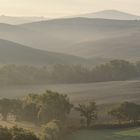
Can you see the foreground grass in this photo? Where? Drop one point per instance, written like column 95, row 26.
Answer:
column 127, row 134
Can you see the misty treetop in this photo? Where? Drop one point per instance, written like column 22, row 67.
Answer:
column 26, row 75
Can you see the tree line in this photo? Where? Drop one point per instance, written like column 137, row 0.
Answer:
column 111, row 71
column 125, row 112
column 43, row 108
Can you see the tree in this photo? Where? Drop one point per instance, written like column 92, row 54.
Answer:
column 117, row 113
column 126, row 111
column 37, row 108
column 53, row 105
column 5, row 134
column 31, row 98
column 29, row 112
column 10, row 106
column 16, row 105
column 21, row 134
column 5, row 107
column 89, row 112
column 16, row 134
column 131, row 111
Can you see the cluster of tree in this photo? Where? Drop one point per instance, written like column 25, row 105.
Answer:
column 52, row 108
column 16, row 134
column 37, row 108
column 49, row 106
column 127, row 111
column 114, row 70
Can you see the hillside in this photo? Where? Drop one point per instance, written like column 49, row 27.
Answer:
column 76, row 29
column 58, row 35
column 112, row 14
column 14, row 53
column 127, row 47
column 94, row 38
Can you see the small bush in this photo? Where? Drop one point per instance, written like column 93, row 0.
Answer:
column 16, row 134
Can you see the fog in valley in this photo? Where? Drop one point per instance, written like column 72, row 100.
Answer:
column 69, row 70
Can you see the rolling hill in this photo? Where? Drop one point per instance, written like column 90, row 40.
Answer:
column 127, row 47
column 14, row 53
column 111, row 14
column 58, row 35
column 92, row 38
column 19, row 20
column 75, row 29
column 84, row 37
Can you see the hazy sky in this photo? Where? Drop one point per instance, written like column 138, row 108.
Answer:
column 56, row 8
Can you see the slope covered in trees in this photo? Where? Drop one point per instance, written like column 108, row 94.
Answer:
column 115, row 70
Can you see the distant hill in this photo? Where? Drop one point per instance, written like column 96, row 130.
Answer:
column 19, row 20
column 111, row 14
column 13, row 53
column 59, row 34
column 94, row 38
column 127, row 47
column 82, row 37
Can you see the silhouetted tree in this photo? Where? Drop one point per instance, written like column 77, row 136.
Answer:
column 53, row 105
column 89, row 112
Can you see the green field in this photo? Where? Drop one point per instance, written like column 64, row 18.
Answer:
column 127, row 134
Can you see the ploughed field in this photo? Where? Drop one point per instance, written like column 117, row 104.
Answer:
column 101, row 92
column 126, row 134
